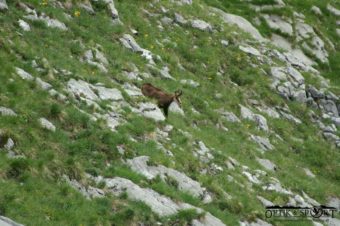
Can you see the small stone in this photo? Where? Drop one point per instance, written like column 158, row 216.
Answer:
column 174, row 107
column 108, row 93
column 3, row 5
column 166, row 20
column 250, row 50
column 23, row 74
column 24, row 26
column 4, row 221
column 43, row 85
column 333, row 10
column 263, row 142
column 276, row 22
column 267, row 164
column 316, row 10
column 9, row 145
column 201, row 25
column 190, row 82
column 265, row 202
column 7, row 112
column 44, row 123
column 180, row 19
column 309, row 173
column 224, row 43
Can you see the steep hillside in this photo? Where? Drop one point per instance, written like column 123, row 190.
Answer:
column 258, row 124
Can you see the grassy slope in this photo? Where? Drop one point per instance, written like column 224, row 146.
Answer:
column 32, row 191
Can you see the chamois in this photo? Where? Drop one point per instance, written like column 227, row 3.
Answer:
column 163, row 99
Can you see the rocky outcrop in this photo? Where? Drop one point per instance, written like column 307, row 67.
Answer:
column 7, row 112
column 4, row 221
column 260, row 120
column 96, row 58
column 150, row 110
column 201, row 25
column 159, row 204
column 241, row 22
column 129, row 42
column 278, row 23
column 3, row 5
column 185, row 183
column 44, row 123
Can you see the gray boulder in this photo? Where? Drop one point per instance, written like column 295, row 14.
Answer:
column 258, row 222
column 7, row 112
column 180, row 19
column 159, row 204
column 330, row 107
column 9, row 144
column 241, row 22
column 44, row 123
column 314, row 93
column 89, row 192
column 129, row 42
column 4, row 221
column 185, row 183
column 108, row 93
column 333, row 10
column 23, row 74
column 132, row 90
column 260, row 120
column 80, row 89
column 316, row 10
column 267, row 164
column 277, row 23
column 190, row 82
column 3, row 5
column 264, row 201
column 43, row 85
column 309, row 173
column 24, row 25
column 263, row 142
column 174, row 107
column 229, row 116
column 250, row 50
column 201, row 25
column 150, row 110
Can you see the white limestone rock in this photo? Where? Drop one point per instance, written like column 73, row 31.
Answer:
column 201, row 25
column 44, row 123
column 24, row 25
column 267, row 164
column 250, row 50
column 4, row 221
column 81, row 88
column 278, row 23
column 241, row 22
column 108, row 93
column 150, row 110
column 7, row 111
column 23, row 74
column 261, row 121
column 185, row 183
column 333, row 10
column 3, row 5
column 159, row 204
column 174, row 107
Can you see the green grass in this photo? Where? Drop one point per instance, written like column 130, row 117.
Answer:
column 31, row 189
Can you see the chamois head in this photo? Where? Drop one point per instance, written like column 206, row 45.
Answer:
column 163, row 99
column 178, row 93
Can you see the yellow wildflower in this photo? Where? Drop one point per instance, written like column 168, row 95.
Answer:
column 44, row 2
column 77, row 13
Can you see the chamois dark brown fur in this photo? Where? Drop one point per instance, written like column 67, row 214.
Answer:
column 163, row 99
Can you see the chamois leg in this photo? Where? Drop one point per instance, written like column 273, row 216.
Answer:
column 165, row 109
